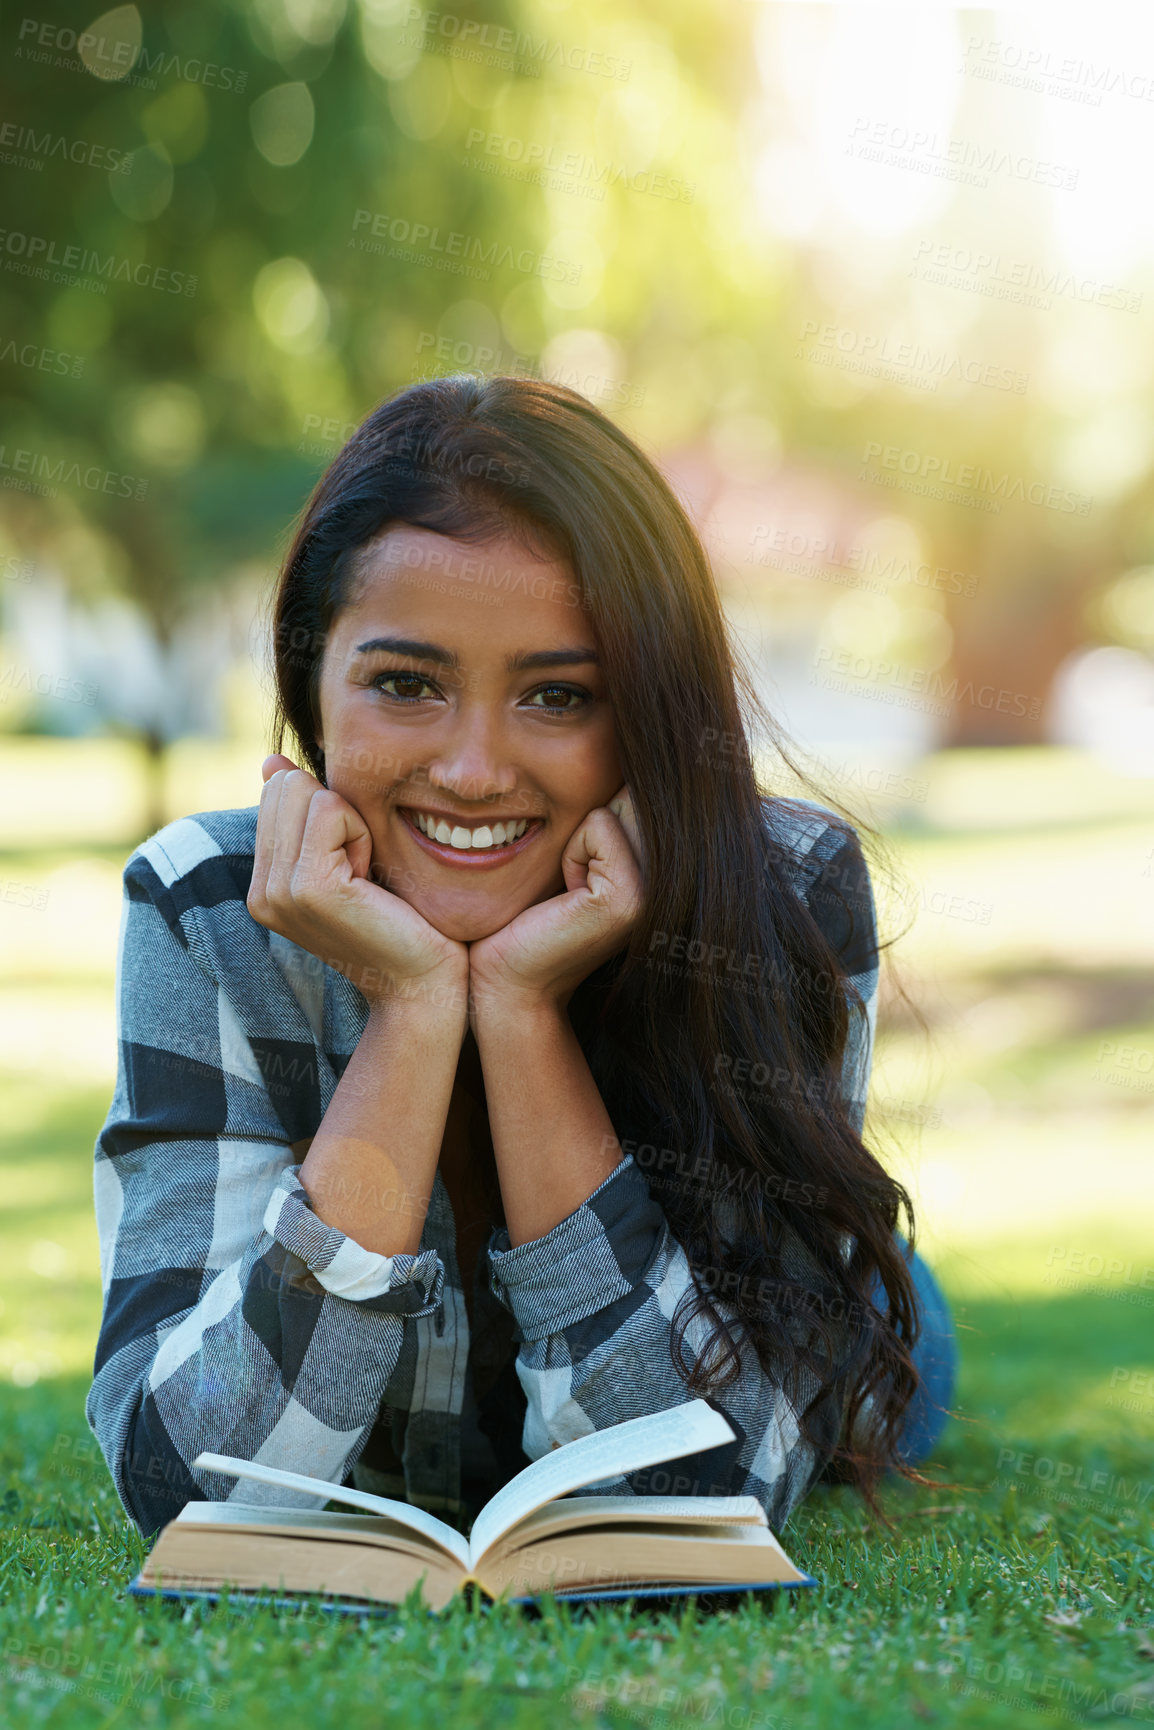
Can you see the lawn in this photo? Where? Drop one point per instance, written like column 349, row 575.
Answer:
column 1016, row 1591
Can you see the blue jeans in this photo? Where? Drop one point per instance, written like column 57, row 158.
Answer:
column 936, row 1360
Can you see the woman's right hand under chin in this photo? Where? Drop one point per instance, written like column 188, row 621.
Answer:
column 310, row 882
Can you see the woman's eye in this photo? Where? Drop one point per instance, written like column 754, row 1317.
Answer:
column 583, row 698
column 409, row 679
column 558, row 699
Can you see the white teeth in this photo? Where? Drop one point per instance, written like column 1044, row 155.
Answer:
column 465, row 840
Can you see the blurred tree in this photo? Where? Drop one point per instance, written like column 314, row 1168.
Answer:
column 185, row 279
column 231, row 229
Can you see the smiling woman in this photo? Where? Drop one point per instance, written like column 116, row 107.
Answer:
column 526, row 1038
column 448, row 726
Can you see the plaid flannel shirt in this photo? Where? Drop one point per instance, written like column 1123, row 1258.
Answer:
column 236, row 1321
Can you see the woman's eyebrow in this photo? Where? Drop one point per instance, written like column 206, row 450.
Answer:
column 443, row 657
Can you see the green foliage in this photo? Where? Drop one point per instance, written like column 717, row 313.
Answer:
column 216, row 304
column 325, row 201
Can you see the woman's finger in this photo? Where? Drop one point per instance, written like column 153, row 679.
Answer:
column 606, row 843
column 297, row 790
column 621, row 806
column 265, row 844
column 332, row 825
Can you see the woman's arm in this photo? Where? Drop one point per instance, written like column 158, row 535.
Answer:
column 592, row 1273
column 594, row 1300
column 360, row 1176
column 553, row 1141
column 238, row 1317
column 595, row 1294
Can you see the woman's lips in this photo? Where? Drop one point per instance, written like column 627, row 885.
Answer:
column 470, row 860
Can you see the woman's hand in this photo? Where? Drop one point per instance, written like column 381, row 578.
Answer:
column 543, row 954
column 310, row 882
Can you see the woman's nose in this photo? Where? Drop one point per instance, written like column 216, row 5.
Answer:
column 473, row 762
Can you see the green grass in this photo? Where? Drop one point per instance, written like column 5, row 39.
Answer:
column 1016, row 1591
column 984, row 1597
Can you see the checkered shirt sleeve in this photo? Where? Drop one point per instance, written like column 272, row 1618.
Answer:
column 234, row 1320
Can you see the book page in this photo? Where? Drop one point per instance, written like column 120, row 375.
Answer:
column 582, row 1513
column 674, row 1556
column 609, row 1453
column 232, row 1513
column 270, row 1559
column 415, row 1519
column 301, row 1522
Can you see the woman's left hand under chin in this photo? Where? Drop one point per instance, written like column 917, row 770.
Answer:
column 542, row 955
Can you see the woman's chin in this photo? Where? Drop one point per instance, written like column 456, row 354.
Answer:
column 465, row 924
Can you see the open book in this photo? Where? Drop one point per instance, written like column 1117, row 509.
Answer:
column 528, row 1538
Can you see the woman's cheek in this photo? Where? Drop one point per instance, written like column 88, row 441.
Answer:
column 388, row 872
column 553, row 876
column 397, row 879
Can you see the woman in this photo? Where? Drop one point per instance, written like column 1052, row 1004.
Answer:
column 500, row 1076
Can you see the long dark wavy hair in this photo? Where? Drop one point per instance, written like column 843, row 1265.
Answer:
column 786, row 1218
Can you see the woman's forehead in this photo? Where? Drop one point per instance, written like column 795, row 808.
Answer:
column 495, row 597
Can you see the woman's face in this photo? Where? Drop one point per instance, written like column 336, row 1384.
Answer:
column 462, row 687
